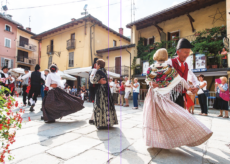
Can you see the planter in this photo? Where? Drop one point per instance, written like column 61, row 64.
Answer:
column 197, row 34
column 151, row 48
column 208, row 66
column 146, row 50
column 207, row 30
column 214, row 66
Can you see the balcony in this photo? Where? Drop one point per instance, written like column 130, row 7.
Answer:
column 70, row 44
column 50, row 49
column 28, row 61
column 122, row 70
column 26, row 46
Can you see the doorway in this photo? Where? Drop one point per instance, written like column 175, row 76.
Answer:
column 118, row 65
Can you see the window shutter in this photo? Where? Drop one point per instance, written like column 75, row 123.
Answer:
column 50, row 61
column 2, row 62
column 7, row 42
column 71, row 59
column 12, row 63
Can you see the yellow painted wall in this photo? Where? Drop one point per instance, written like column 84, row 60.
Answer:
column 82, row 53
column 182, row 23
column 125, row 58
column 30, row 53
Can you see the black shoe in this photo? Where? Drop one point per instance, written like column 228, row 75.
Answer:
column 29, row 104
column 50, row 121
column 42, row 118
column 32, row 108
column 91, row 122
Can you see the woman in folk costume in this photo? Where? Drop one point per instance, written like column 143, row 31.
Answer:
column 166, row 124
column 104, row 109
column 58, row 103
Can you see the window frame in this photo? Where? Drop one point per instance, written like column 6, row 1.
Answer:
column 9, row 26
column 72, row 64
column 149, row 40
column 114, row 41
column 5, row 42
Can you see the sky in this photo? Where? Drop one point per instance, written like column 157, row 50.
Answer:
column 116, row 15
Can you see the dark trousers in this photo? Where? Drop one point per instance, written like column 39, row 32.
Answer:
column 36, row 91
column 135, row 99
column 24, row 87
column 203, row 103
column 180, row 100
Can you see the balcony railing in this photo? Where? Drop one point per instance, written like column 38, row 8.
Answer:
column 30, row 61
column 50, row 49
column 26, row 46
column 70, row 44
column 122, row 70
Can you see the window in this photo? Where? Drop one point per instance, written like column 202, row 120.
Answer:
column 145, row 42
column 8, row 28
column 22, row 55
column 7, row 62
column 71, row 59
column 151, row 40
column 114, row 43
column 50, row 61
column 23, row 41
column 7, row 43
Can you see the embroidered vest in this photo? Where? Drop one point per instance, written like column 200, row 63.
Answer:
column 177, row 67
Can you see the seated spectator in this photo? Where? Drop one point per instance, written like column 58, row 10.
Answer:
column 83, row 93
column 74, row 91
column 68, row 90
column 224, row 58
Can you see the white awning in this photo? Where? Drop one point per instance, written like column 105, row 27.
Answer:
column 216, row 73
column 84, row 72
column 65, row 76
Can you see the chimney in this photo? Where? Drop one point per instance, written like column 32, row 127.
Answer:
column 9, row 16
column 28, row 29
column 121, row 31
column 73, row 19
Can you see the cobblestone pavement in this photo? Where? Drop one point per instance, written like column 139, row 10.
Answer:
column 73, row 141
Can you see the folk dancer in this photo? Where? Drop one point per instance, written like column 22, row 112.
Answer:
column 35, row 82
column 9, row 80
column 165, row 124
column 58, row 103
column 25, row 83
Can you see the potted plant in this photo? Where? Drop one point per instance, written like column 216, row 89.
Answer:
column 151, row 47
column 207, row 30
column 197, row 34
column 176, row 38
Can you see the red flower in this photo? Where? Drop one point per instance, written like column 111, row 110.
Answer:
column 16, row 104
column 29, row 119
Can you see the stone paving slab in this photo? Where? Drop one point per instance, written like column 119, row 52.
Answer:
column 86, row 130
column 27, row 152
column 139, row 147
column 27, row 140
column 179, row 156
column 59, row 140
column 129, row 157
column 73, row 148
column 115, row 145
column 90, row 157
column 216, row 156
column 41, row 159
column 63, row 129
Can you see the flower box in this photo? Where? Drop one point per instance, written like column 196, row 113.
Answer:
column 214, row 66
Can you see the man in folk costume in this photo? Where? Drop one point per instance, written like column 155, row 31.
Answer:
column 35, row 82
column 25, row 83
column 8, row 79
column 183, row 50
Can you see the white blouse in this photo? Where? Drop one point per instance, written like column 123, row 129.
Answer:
column 54, row 78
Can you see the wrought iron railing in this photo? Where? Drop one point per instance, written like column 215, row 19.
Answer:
column 122, row 70
column 70, row 44
column 30, row 61
column 26, row 45
column 50, row 49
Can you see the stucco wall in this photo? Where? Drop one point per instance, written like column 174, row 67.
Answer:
column 30, row 53
column 182, row 23
column 6, row 52
column 82, row 53
column 228, row 17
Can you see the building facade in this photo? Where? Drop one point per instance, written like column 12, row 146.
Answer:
column 27, row 49
column 184, row 20
column 74, row 44
column 8, row 36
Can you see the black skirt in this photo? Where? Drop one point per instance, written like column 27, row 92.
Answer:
column 59, row 103
column 220, row 104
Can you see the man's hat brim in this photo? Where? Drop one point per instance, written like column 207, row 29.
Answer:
column 184, row 43
column 4, row 67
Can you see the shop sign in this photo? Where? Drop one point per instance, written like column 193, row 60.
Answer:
column 145, row 68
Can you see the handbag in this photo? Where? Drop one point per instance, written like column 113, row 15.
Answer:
column 206, row 92
column 225, row 95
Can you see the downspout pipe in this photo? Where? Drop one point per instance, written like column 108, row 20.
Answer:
column 130, row 62
column 91, row 43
